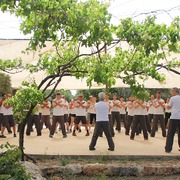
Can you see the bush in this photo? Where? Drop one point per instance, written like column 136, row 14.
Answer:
column 10, row 165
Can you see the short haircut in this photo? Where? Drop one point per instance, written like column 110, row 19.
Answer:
column 176, row 90
column 158, row 92
column 58, row 94
column 101, row 96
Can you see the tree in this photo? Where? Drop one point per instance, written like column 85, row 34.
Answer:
column 71, row 25
column 5, row 83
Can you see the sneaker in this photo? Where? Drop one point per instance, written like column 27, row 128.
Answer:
column 64, row 136
column 15, row 135
column 2, row 136
column 51, row 136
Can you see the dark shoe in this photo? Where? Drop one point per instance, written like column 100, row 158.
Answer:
column 167, row 151
column 119, row 131
column 79, row 130
column 145, row 138
column 27, row 134
column 152, row 135
column 109, row 149
column 87, row 134
column 127, row 134
column 131, row 138
column 10, row 132
column 51, row 136
column 74, row 134
column 2, row 136
column 92, row 149
column 15, row 135
column 100, row 135
column 38, row 134
column 64, row 136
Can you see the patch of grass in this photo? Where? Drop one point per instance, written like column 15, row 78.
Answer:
column 64, row 160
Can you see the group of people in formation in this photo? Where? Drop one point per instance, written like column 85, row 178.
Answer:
column 136, row 115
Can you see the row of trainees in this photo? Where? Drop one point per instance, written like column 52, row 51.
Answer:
column 135, row 109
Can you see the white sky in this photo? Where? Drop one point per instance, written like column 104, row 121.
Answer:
column 9, row 25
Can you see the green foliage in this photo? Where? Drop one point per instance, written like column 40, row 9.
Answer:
column 24, row 98
column 9, row 65
column 5, row 83
column 10, row 165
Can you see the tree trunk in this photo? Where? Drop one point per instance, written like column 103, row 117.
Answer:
column 21, row 132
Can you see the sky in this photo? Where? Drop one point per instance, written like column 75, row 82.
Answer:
column 9, row 24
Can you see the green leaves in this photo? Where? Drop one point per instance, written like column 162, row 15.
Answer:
column 24, row 98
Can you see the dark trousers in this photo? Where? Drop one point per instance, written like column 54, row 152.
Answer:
column 110, row 125
column 104, row 125
column 36, row 120
column 129, row 121
column 92, row 118
column 167, row 117
column 150, row 116
column 155, row 123
column 148, row 125
column 174, row 124
column 116, row 117
column 139, row 120
column 123, row 118
column 60, row 120
column 45, row 119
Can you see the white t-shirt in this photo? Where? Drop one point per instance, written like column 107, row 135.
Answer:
column 167, row 110
column 58, row 111
column 175, row 107
column 80, row 111
column 122, row 110
column 8, row 111
column 65, row 108
column 114, row 107
column 130, row 108
column 91, row 109
column 102, row 109
column 139, row 110
column 150, row 107
column 46, row 111
column 159, row 110
column 146, row 108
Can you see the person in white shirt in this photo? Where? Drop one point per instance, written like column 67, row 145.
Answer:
column 151, row 109
column 58, row 115
column 102, row 122
column 174, row 123
column 45, row 114
column 148, row 125
column 130, row 114
column 159, row 106
column 66, row 113
column 139, row 119
column 122, row 110
column 91, row 111
column 115, row 113
column 34, row 119
column 81, row 106
column 8, row 119
column 167, row 112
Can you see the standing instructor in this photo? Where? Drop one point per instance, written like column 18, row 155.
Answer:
column 102, row 122
column 174, row 123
